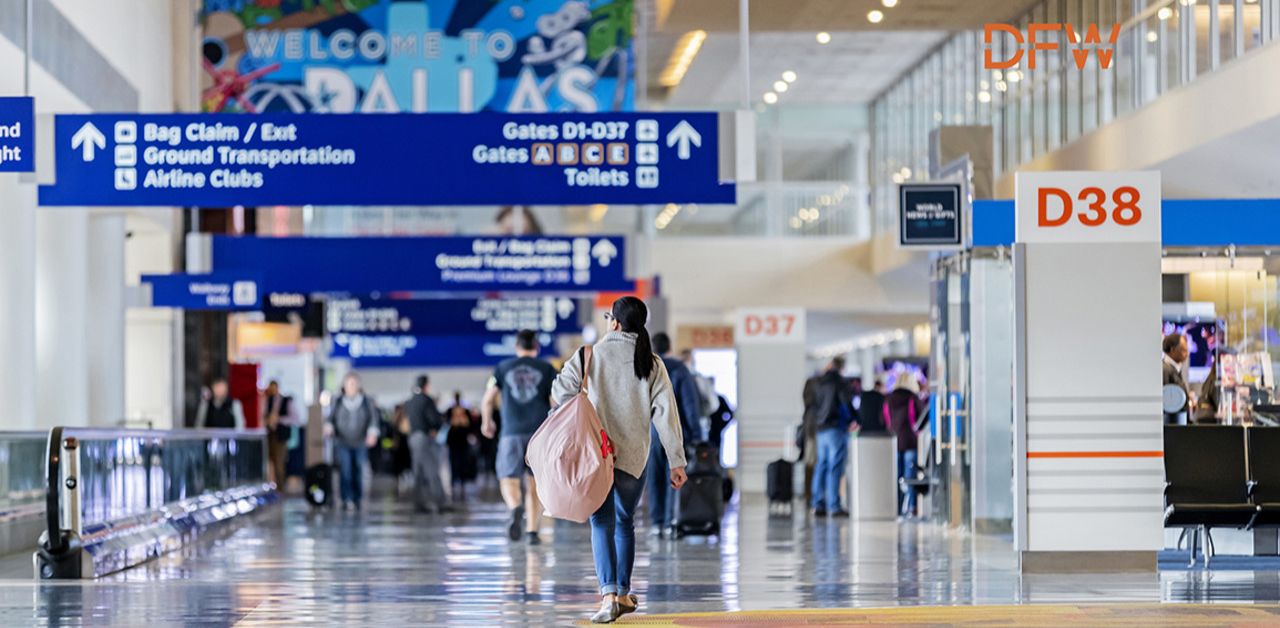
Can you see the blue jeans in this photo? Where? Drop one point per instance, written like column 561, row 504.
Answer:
column 661, row 496
column 833, row 449
column 613, row 533
column 351, row 471
column 906, row 469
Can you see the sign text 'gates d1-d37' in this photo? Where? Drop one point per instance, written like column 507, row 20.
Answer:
column 386, row 159
column 459, row 265
column 17, row 134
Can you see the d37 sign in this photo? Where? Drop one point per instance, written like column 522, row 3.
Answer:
column 759, row 325
column 1088, row 207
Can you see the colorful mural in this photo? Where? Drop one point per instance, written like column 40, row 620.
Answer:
column 342, row 56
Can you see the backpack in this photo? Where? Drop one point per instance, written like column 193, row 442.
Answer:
column 571, row 456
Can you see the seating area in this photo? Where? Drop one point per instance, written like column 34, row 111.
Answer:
column 1220, row 476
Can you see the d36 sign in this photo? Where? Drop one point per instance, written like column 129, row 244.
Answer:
column 769, row 325
column 1088, row 207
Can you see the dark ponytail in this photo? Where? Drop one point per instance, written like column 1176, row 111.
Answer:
column 632, row 314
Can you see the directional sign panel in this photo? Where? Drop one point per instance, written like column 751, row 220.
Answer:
column 401, row 350
column 431, row 317
column 446, row 264
column 215, row 291
column 17, row 134
column 386, row 159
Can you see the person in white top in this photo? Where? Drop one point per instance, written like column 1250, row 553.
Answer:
column 630, row 390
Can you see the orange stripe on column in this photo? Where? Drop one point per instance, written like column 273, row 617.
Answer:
column 760, row 444
column 1095, row 454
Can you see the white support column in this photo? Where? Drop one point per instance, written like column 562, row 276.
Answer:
column 106, row 325
column 1088, row 441
column 62, row 263
column 18, row 314
column 771, row 376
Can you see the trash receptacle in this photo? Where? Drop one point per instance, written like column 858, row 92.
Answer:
column 873, row 486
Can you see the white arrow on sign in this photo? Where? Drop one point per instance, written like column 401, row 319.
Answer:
column 685, row 134
column 86, row 139
column 604, row 251
column 565, row 307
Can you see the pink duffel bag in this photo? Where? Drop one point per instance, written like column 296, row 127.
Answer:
column 571, row 456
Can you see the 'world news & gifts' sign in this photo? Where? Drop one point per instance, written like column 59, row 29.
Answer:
column 417, row 55
column 402, row 159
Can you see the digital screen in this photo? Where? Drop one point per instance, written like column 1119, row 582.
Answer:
column 1202, row 341
column 930, row 215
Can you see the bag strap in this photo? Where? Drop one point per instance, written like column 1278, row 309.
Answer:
column 585, row 357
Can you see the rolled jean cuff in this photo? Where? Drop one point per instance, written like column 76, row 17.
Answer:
column 623, row 591
column 609, row 589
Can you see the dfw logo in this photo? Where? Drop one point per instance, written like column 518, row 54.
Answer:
column 1035, row 42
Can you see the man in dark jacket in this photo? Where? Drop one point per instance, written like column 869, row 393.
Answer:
column 833, row 414
column 871, row 409
column 688, row 404
column 425, row 452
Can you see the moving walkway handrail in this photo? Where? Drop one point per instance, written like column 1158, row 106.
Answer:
column 53, row 507
column 190, row 469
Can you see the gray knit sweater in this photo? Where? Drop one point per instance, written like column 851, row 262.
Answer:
column 625, row 403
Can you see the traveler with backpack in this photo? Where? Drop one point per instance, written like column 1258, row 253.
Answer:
column 523, row 384
column 353, row 420
column 902, row 411
column 833, row 415
column 630, row 390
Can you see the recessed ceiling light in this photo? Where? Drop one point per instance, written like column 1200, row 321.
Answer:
column 889, row 4
column 780, row 86
column 1152, row 36
column 770, row 97
column 984, row 97
column 789, row 76
column 874, row 16
column 686, row 49
column 1164, row 13
column 824, row 37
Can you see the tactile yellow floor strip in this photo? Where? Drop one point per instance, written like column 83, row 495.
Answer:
column 1099, row 615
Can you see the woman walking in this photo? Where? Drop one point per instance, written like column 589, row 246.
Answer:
column 630, row 390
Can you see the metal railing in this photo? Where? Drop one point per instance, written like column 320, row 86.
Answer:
column 114, row 498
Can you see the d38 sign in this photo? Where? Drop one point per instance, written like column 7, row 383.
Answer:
column 758, row 325
column 1088, row 207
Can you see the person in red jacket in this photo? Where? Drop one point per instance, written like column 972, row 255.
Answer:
column 902, row 411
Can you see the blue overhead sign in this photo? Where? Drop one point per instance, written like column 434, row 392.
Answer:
column 17, row 134
column 433, row 317
column 386, row 159
column 428, row 264
column 404, row 350
column 215, row 291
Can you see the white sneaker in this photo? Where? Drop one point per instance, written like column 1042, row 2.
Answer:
column 607, row 614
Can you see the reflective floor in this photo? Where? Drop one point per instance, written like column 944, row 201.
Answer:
column 389, row 566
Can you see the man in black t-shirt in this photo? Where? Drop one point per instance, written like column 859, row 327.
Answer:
column 524, row 385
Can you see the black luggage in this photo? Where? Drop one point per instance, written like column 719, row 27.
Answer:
column 319, row 485
column 780, row 486
column 701, row 501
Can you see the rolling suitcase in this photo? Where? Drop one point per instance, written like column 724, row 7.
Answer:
column 780, row 486
column 700, row 504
